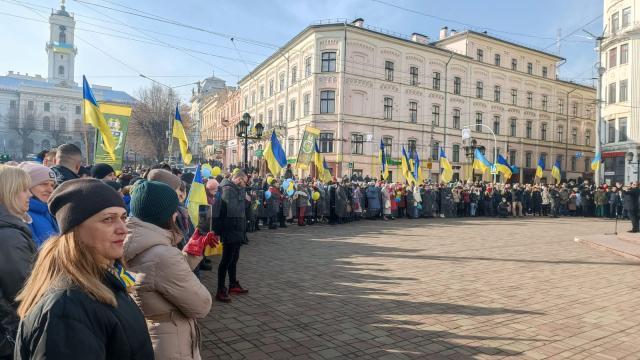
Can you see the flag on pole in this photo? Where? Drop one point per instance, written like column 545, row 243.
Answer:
column 445, row 166
column 384, row 169
column 540, row 167
column 94, row 117
column 480, row 162
column 417, row 171
column 321, row 166
column 274, row 155
column 197, row 196
column 406, row 169
column 595, row 163
column 181, row 135
column 503, row 167
column 555, row 171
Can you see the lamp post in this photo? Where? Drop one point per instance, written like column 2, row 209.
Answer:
column 242, row 131
column 637, row 162
column 470, row 151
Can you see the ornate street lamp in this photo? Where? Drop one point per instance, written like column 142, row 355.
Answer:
column 242, row 131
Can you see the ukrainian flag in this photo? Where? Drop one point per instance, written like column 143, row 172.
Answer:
column 480, row 162
column 555, row 171
column 197, row 196
column 406, row 170
column 321, row 166
column 384, row 170
column 274, row 155
column 445, row 166
column 595, row 163
column 179, row 133
column 503, row 167
column 94, row 117
column 540, row 168
column 417, row 172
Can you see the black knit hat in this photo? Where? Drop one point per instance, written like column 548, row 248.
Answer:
column 153, row 202
column 99, row 171
column 76, row 200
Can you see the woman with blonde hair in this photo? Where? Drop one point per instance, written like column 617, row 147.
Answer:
column 75, row 303
column 17, row 250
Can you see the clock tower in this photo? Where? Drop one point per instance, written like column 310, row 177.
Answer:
column 60, row 47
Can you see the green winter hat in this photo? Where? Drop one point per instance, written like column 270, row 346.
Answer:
column 153, row 202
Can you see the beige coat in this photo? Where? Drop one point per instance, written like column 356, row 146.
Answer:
column 170, row 296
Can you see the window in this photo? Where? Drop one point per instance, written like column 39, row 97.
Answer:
column 543, row 131
column 527, row 159
column 46, row 123
column 587, row 137
column 496, row 93
column 60, row 70
column 270, row 118
column 613, row 57
column 292, row 110
column 47, row 106
column 326, row 142
column 611, row 131
column 622, row 129
column 626, row 17
column 529, row 129
column 388, row 70
column 480, row 55
column 457, row 85
column 560, row 134
column 388, row 108
column 387, row 141
column 62, row 124
column 246, row 102
column 529, row 99
column 357, row 144
column 456, row 153
column 413, row 71
column 615, row 23
column 436, row 80
column 306, row 104
column 294, row 75
column 329, row 61
column 280, row 114
column 513, row 126
column 281, row 87
column 624, row 54
column 292, row 145
column 327, row 102
column 413, row 111
column 574, row 108
column 496, row 60
column 307, row 67
column 612, row 93
column 261, row 92
column 496, row 125
column 12, row 104
column 253, row 98
column 545, row 102
column 529, row 68
column 271, row 87
column 77, row 125
column 560, row 160
column 479, row 122
column 411, row 147
column 544, row 72
column 574, row 161
column 435, row 150
column 62, row 37
column 512, row 157
column 30, row 105
column 574, row 136
column 456, row 118
column 479, row 88
column 514, row 64
column 435, row 111
column 514, row 96
column 623, row 90
column 560, row 106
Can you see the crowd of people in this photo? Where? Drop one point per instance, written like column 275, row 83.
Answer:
column 95, row 264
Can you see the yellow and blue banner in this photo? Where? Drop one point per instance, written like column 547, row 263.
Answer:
column 197, row 196
column 117, row 117
column 503, row 167
column 384, row 169
column 406, row 168
column 417, row 171
column 540, row 167
column 595, row 163
column 555, row 171
column 305, row 153
column 181, row 135
column 445, row 166
column 94, row 117
column 324, row 174
column 480, row 162
column 274, row 155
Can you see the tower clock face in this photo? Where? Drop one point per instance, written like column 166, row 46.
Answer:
column 63, row 107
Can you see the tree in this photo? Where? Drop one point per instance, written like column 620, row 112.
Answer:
column 23, row 122
column 153, row 115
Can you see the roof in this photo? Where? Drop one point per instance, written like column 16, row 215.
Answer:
column 11, row 83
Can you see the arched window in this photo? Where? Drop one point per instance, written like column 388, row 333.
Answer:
column 62, row 124
column 46, row 123
column 60, row 70
column 77, row 125
column 62, row 38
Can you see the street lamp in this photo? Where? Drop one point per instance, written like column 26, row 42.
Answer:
column 470, row 151
column 637, row 162
column 242, row 131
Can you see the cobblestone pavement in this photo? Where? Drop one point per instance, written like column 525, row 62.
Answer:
column 429, row 289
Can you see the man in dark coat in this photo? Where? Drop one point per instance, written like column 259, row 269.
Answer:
column 68, row 161
column 631, row 195
column 231, row 226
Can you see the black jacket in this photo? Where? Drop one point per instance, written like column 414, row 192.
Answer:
column 63, row 174
column 232, row 223
column 68, row 324
column 631, row 199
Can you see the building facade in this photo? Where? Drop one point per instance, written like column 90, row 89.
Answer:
column 361, row 87
column 620, row 94
column 38, row 113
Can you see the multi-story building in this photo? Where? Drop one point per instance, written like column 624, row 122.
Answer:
column 220, row 113
column 362, row 86
column 205, row 89
column 620, row 95
column 37, row 113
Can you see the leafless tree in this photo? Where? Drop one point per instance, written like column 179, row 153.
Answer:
column 23, row 122
column 154, row 114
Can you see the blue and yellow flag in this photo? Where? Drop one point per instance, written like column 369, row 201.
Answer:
column 94, row 117
column 181, row 135
column 123, row 275
column 324, row 174
column 445, row 166
column 540, row 167
column 197, row 196
column 406, row 168
column 480, row 162
column 503, row 167
column 555, row 171
column 384, row 169
column 274, row 155
column 417, row 171
column 595, row 163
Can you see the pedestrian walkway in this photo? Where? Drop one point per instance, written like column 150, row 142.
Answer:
column 430, row 289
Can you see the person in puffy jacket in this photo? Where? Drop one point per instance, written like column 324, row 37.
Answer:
column 43, row 225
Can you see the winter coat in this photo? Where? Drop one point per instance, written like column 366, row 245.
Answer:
column 169, row 294
column 373, row 198
column 546, row 197
column 341, row 202
column 17, row 252
column 69, row 324
column 63, row 174
column 387, row 201
column 601, row 197
column 43, row 224
column 232, row 222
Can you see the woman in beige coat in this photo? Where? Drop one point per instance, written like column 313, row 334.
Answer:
column 169, row 294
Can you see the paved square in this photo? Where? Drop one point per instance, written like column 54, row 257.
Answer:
column 429, row 289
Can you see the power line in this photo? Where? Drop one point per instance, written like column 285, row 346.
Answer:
column 574, row 31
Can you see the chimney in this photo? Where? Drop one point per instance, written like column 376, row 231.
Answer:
column 419, row 38
column 359, row 22
column 10, row 72
column 444, row 32
column 453, row 32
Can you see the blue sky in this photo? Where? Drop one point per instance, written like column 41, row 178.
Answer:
column 128, row 38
